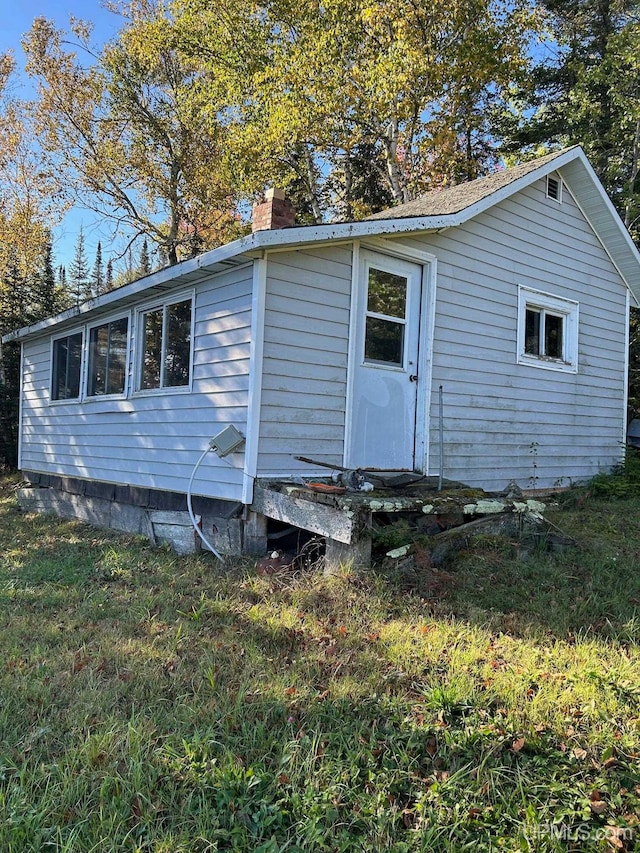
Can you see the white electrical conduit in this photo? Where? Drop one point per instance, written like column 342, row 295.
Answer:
column 190, row 508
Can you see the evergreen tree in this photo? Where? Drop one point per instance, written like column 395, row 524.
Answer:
column 80, row 284
column 14, row 312
column 62, row 277
column 588, row 95
column 130, row 272
column 108, row 278
column 144, row 263
column 46, row 296
column 97, row 276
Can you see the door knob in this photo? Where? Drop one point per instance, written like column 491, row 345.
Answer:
column 413, row 377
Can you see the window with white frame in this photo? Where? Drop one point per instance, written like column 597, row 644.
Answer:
column 107, row 366
column 547, row 330
column 165, row 344
column 66, row 364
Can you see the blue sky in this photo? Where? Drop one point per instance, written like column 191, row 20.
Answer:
column 16, row 17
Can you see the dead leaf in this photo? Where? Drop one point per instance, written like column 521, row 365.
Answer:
column 408, row 818
column 136, row 808
column 615, row 836
column 598, row 806
column 517, row 745
column 79, row 663
column 580, row 753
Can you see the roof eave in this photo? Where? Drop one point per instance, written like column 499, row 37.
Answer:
column 243, row 249
column 227, row 256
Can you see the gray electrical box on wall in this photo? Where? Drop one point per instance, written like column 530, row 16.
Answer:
column 227, row 441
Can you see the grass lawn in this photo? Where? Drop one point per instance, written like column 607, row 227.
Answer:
column 152, row 703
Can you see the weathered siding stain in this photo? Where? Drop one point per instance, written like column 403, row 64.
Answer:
column 305, row 358
column 152, row 440
column 508, row 421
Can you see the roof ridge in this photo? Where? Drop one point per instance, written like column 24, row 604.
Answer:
column 453, row 199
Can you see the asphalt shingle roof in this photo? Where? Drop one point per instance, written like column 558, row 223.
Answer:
column 441, row 202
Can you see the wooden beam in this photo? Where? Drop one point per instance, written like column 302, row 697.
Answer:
column 340, row 525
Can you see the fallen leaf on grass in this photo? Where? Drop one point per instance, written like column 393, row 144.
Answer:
column 580, row 753
column 136, row 808
column 615, row 836
column 517, row 745
column 79, row 663
column 597, row 804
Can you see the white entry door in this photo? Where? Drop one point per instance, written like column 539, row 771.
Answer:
column 385, row 372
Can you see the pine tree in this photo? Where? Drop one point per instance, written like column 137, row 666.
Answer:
column 80, row 284
column 108, row 279
column 144, row 263
column 130, row 273
column 97, row 276
column 62, row 277
column 45, row 296
column 14, row 312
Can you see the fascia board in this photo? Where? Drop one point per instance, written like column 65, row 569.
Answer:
column 242, row 249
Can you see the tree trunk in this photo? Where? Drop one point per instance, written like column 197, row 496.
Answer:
column 396, row 181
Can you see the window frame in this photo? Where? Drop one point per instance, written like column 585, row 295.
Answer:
column 161, row 304
column 568, row 310
column 119, row 395
column 403, row 321
column 55, row 401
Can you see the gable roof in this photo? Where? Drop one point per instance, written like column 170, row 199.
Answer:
column 434, row 211
column 455, row 199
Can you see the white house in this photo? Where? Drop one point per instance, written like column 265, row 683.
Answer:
column 506, row 298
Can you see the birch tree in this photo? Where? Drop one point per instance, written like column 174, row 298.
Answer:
column 311, row 86
column 113, row 123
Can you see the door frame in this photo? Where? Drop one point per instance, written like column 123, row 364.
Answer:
column 428, row 262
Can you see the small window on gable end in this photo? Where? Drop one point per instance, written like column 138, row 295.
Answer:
column 547, row 331
column 554, row 188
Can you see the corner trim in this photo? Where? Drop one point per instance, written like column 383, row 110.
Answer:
column 256, row 360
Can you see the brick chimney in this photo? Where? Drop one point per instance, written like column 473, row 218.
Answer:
column 276, row 211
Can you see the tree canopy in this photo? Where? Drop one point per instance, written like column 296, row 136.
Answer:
column 121, row 131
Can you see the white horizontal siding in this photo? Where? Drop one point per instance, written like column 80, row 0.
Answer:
column 505, row 421
column 152, row 440
column 305, row 359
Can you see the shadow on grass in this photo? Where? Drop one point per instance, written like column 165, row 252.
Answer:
column 258, row 774
column 592, row 588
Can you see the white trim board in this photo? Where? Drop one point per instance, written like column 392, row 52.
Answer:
column 256, row 359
